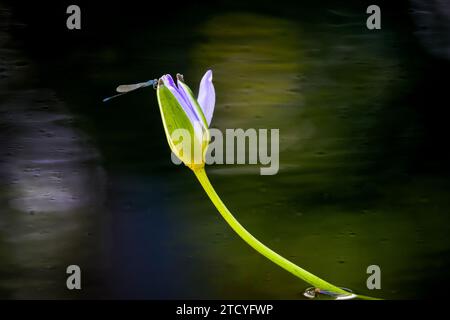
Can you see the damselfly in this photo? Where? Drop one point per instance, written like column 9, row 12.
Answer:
column 125, row 88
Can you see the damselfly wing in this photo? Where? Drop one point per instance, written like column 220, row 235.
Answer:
column 125, row 88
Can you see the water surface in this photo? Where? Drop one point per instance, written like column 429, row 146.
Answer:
column 363, row 172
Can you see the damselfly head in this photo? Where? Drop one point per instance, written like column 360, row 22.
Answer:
column 180, row 77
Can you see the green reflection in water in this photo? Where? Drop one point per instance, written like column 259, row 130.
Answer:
column 335, row 207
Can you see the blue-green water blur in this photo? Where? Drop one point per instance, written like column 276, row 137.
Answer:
column 92, row 184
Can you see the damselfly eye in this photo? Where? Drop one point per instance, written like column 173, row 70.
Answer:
column 180, row 77
column 155, row 83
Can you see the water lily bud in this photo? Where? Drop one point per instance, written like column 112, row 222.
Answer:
column 185, row 118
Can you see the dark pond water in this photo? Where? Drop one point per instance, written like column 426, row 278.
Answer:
column 364, row 175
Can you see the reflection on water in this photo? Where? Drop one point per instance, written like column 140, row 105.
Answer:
column 47, row 161
column 263, row 85
column 330, row 91
column 433, row 25
column 51, row 184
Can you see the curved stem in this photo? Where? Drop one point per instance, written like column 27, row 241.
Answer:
column 257, row 245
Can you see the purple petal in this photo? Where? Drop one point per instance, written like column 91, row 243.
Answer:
column 168, row 80
column 185, row 104
column 191, row 100
column 207, row 96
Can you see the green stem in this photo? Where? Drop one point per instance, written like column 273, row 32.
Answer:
column 257, row 245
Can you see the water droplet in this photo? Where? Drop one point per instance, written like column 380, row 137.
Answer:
column 313, row 292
